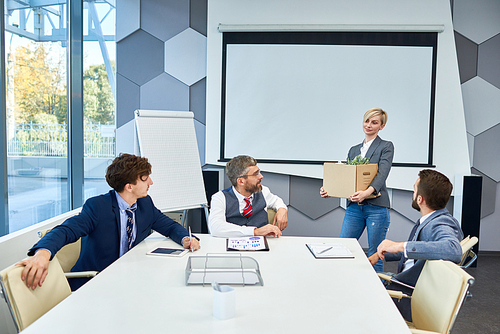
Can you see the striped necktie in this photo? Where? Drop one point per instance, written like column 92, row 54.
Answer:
column 130, row 227
column 247, row 211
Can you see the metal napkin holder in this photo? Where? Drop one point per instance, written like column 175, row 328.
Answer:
column 222, row 268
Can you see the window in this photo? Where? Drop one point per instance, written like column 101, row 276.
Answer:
column 36, row 77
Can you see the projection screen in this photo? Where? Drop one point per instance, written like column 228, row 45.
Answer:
column 292, row 97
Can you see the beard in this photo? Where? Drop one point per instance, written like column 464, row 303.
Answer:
column 255, row 188
column 414, row 205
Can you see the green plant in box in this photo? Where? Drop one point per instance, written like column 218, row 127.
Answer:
column 359, row 160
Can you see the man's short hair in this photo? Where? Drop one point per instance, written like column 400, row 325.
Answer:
column 435, row 188
column 376, row 112
column 238, row 166
column 126, row 168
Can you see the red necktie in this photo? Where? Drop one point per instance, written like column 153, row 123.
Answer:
column 247, row 211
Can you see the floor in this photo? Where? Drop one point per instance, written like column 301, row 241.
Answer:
column 479, row 313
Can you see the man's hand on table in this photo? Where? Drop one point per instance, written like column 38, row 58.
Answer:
column 267, row 230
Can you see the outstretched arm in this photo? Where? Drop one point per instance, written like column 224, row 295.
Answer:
column 36, row 268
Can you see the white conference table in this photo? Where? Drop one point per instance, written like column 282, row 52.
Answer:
column 140, row 293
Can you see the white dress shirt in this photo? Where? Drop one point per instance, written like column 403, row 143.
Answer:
column 219, row 227
column 365, row 147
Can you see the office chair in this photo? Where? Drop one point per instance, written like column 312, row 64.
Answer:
column 439, row 293
column 67, row 256
column 467, row 253
column 270, row 215
column 27, row 305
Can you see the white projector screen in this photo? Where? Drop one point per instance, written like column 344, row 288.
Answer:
column 304, row 102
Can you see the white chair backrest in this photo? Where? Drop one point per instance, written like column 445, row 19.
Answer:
column 438, row 295
column 28, row 305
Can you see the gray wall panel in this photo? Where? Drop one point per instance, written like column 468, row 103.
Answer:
column 278, row 184
column 198, row 16
column 486, row 157
column 488, row 194
column 200, row 138
column 481, row 101
column 127, row 100
column 164, row 18
column 488, row 66
column 304, row 196
column 198, row 100
column 327, row 226
column 128, row 18
column 165, row 93
column 140, row 57
column 401, row 202
column 478, row 20
column 467, row 57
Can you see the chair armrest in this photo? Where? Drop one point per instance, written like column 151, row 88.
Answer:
column 397, row 294
column 384, row 277
column 393, row 280
column 81, row 274
column 473, row 257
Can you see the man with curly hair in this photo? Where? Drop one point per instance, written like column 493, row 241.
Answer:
column 109, row 224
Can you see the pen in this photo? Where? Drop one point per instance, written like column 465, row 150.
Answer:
column 190, row 240
column 325, row 250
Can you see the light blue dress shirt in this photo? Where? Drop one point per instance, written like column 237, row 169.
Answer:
column 122, row 205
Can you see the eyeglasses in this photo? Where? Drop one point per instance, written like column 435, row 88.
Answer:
column 254, row 174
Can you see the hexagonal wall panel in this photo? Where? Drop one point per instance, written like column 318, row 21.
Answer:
column 165, row 93
column 279, row 185
column 198, row 100
column 140, row 57
column 470, row 145
column 186, row 56
column 486, row 157
column 401, row 203
column 127, row 100
column 488, row 64
column 328, row 225
column 304, row 196
column 488, row 194
column 198, row 16
column 477, row 20
column 127, row 18
column 200, row 130
column 164, row 18
column 467, row 57
column 481, row 101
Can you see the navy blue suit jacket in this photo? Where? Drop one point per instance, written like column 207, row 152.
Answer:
column 98, row 225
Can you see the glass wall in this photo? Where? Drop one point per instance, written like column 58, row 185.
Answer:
column 98, row 91
column 37, row 106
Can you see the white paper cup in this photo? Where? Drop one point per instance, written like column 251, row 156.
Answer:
column 224, row 303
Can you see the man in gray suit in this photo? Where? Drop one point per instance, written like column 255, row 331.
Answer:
column 435, row 236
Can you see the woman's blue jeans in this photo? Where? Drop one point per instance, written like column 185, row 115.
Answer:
column 375, row 218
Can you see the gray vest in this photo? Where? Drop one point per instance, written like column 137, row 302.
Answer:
column 233, row 215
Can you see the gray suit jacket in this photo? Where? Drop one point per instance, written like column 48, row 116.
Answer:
column 438, row 238
column 380, row 152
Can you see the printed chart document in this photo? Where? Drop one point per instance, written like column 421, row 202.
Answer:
column 247, row 244
column 330, row 251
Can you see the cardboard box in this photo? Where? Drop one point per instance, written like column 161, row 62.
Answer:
column 341, row 180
